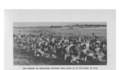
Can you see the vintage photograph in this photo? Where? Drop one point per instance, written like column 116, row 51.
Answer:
column 60, row 43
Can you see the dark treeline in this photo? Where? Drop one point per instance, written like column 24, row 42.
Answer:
column 81, row 26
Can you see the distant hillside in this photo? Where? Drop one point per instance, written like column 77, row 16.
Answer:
column 70, row 26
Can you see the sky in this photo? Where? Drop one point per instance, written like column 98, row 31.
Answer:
column 33, row 24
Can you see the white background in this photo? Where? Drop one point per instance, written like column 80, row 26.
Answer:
column 58, row 4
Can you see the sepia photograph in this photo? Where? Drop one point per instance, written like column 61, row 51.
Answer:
column 60, row 43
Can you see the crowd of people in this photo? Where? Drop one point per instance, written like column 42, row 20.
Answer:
column 72, row 49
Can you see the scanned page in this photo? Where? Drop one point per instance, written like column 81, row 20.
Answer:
column 60, row 39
